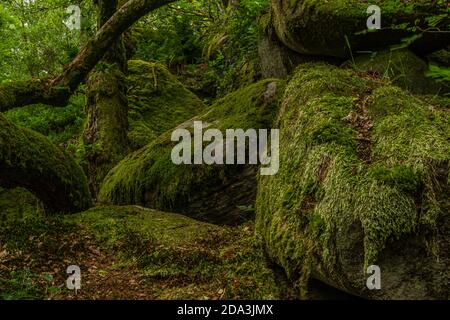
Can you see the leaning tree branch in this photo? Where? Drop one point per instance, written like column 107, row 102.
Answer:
column 57, row 91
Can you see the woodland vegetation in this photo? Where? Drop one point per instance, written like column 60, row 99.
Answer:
column 86, row 177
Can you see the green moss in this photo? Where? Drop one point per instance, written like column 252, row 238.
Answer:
column 157, row 102
column 21, row 215
column 30, row 160
column 402, row 67
column 60, row 125
column 327, row 184
column 20, row 285
column 338, row 28
column 149, row 177
column 172, row 256
column 221, row 262
column 404, row 178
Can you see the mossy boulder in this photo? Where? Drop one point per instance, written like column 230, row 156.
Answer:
column 215, row 193
column 401, row 67
column 157, row 102
column 30, row 160
column 363, row 180
column 331, row 28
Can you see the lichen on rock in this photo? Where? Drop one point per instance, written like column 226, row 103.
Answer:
column 363, row 180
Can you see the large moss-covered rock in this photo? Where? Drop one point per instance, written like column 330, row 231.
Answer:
column 317, row 27
column 157, row 102
column 363, row 180
column 213, row 193
column 402, row 67
column 31, row 161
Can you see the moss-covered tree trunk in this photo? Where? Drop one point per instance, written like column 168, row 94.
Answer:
column 29, row 160
column 105, row 135
column 56, row 91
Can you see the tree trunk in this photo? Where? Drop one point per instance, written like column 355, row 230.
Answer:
column 105, row 135
column 58, row 90
column 29, row 160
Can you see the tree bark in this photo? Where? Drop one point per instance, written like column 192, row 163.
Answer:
column 57, row 91
column 107, row 107
column 29, row 160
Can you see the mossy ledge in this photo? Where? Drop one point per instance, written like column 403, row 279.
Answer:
column 363, row 180
column 211, row 193
column 30, row 160
column 338, row 27
column 401, row 67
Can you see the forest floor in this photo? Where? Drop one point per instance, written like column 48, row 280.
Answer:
column 133, row 253
column 126, row 253
column 41, row 274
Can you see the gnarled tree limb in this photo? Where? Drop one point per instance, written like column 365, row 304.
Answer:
column 57, row 91
column 30, row 160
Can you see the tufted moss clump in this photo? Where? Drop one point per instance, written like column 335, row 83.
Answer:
column 157, row 102
column 213, row 193
column 363, row 167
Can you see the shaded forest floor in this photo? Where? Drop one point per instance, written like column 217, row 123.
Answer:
column 133, row 253
column 127, row 253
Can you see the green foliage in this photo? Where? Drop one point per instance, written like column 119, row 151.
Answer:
column 222, row 36
column 60, row 125
column 440, row 73
column 34, row 42
column 19, row 285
